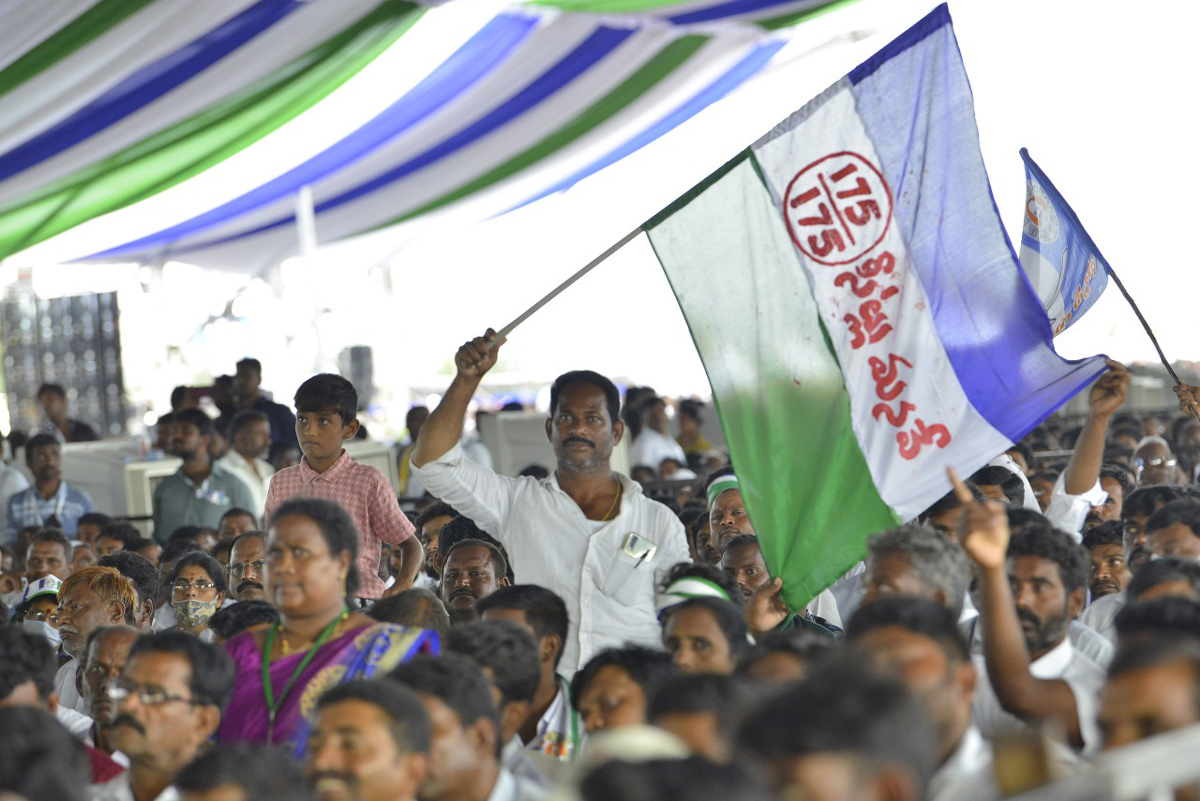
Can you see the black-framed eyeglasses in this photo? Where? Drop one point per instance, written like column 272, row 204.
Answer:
column 50, row 617
column 241, row 568
column 182, row 585
column 121, row 688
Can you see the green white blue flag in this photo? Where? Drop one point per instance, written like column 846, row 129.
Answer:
column 860, row 313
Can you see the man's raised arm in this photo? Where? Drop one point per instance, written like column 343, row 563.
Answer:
column 1078, row 488
column 1106, row 396
column 444, row 427
column 984, row 533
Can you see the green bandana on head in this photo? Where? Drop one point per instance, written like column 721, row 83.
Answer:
column 685, row 589
column 720, row 485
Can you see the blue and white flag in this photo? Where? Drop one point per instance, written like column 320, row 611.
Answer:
column 1063, row 264
column 859, row 310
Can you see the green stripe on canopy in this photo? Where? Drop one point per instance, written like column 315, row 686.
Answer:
column 788, row 20
column 193, row 145
column 88, row 26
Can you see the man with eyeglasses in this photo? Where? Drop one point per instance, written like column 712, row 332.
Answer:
column 38, row 611
column 169, row 701
column 1154, row 462
column 246, row 575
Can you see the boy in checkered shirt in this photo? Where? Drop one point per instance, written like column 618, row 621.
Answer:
column 327, row 416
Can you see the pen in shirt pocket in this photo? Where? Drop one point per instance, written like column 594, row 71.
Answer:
column 639, row 547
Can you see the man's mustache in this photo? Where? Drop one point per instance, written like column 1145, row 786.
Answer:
column 128, row 720
column 580, row 440
column 245, row 585
column 1025, row 616
column 463, row 591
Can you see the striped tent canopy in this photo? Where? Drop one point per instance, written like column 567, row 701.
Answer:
column 384, row 110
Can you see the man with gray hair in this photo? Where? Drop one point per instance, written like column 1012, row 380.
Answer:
column 917, row 560
column 1154, row 462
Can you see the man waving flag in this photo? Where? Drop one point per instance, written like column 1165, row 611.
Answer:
column 860, row 313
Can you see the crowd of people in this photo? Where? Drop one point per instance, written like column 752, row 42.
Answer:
column 288, row 632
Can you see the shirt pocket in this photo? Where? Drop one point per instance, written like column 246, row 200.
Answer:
column 630, row 581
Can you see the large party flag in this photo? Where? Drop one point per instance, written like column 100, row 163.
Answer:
column 1063, row 264
column 860, row 313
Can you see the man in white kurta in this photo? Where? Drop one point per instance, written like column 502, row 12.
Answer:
column 250, row 434
column 585, row 532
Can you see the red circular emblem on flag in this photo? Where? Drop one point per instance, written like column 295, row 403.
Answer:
column 838, row 208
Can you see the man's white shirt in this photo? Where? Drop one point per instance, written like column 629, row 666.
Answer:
column 117, row 789
column 559, row 729
column 79, row 724
column 651, row 447
column 1101, row 615
column 258, row 483
column 12, row 481
column 1083, row 676
column 966, row 775
column 1069, row 512
column 508, row 788
column 609, row 593
column 64, row 685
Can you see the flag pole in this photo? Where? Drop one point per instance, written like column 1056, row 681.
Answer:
column 587, row 268
column 1032, row 166
column 1154, row 340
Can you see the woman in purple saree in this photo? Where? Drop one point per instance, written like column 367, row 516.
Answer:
column 283, row 667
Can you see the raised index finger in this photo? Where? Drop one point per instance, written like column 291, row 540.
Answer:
column 960, row 489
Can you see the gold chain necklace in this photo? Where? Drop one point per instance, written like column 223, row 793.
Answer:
column 285, row 649
column 616, row 500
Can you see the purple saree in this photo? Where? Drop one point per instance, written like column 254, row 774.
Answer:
column 360, row 654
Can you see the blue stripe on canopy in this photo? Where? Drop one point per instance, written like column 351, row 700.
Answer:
column 733, row 8
column 755, row 60
column 481, row 54
column 147, row 85
column 559, row 75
